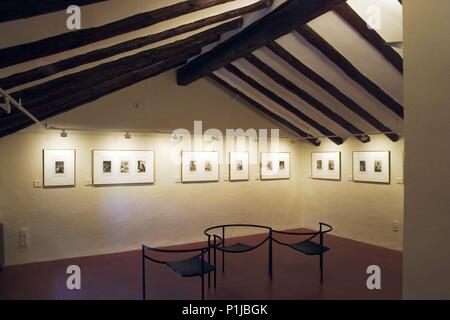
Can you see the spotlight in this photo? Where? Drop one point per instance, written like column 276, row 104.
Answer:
column 317, row 141
column 214, row 138
column 127, row 135
column 63, row 134
column 365, row 138
column 175, row 137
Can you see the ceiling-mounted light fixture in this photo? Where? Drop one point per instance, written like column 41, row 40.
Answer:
column 215, row 138
column 317, row 141
column 127, row 135
column 175, row 137
column 365, row 138
column 63, row 133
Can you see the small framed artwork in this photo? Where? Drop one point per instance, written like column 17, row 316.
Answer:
column 275, row 165
column 197, row 166
column 372, row 166
column 59, row 168
column 239, row 166
column 326, row 165
column 122, row 167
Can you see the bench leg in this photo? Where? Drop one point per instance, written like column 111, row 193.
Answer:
column 203, row 287
column 143, row 275
column 270, row 259
column 321, row 268
column 209, row 274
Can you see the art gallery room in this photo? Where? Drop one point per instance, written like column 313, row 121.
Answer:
column 224, row 150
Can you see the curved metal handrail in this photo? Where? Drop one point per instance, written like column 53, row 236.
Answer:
column 312, row 234
column 220, row 245
column 201, row 250
column 330, row 228
column 235, row 225
column 247, row 250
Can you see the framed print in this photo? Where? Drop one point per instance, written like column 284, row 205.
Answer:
column 59, row 168
column 122, row 167
column 239, row 166
column 275, row 165
column 372, row 166
column 197, row 166
column 326, row 165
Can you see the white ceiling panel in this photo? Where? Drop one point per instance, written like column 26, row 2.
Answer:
column 360, row 53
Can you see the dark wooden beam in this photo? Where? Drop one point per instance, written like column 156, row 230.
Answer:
column 331, row 89
column 20, row 9
column 259, row 107
column 76, row 81
column 75, row 39
column 284, row 104
column 92, row 56
column 76, row 99
column 336, row 57
column 358, row 23
column 50, row 69
column 54, row 95
column 282, row 20
column 305, row 96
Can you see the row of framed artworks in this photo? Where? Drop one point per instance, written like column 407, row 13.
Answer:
column 137, row 167
column 204, row 166
column 111, row 167
column 368, row 166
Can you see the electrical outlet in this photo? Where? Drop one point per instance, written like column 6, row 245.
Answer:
column 399, row 180
column 177, row 180
column 350, row 178
column 225, row 178
column 24, row 237
column 395, row 225
column 37, row 183
column 87, row 182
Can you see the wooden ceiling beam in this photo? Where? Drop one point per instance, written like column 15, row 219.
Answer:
column 330, row 89
column 353, row 19
column 92, row 56
column 259, row 107
column 52, row 96
column 284, row 104
column 345, row 65
column 75, row 39
column 20, row 9
column 72, row 82
column 76, row 99
column 279, row 22
column 305, row 96
column 96, row 55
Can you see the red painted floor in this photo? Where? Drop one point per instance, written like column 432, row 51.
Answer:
column 295, row 276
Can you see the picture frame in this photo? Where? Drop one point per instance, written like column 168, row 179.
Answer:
column 199, row 166
column 326, row 165
column 372, row 166
column 110, row 167
column 239, row 166
column 275, row 165
column 59, row 167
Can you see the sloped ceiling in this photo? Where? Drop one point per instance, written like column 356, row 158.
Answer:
column 373, row 116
